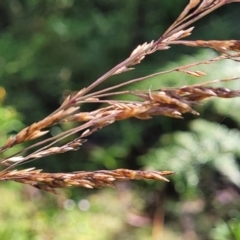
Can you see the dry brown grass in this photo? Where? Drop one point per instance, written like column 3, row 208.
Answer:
column 172, row 102
column 96, row 179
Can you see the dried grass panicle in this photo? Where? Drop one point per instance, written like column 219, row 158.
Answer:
column 195, row 10
column 71, row 146
column 103, row 178
column 228, row 47
column 172, row 102
column 36, row 129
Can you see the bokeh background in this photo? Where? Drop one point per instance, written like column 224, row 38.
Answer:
column 51, row 48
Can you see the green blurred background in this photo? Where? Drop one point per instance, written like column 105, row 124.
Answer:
column 50, row 48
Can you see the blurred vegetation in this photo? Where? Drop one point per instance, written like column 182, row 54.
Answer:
column 49, row 48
